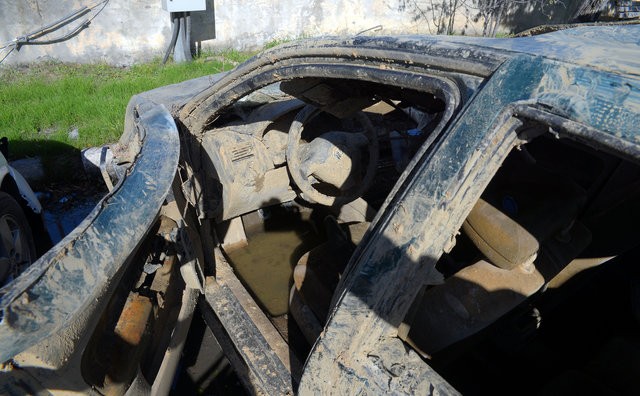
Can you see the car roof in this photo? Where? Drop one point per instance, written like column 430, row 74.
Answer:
column 609, row 48
column 613, row 48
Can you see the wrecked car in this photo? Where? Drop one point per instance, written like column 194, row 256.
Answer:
column 360, row 215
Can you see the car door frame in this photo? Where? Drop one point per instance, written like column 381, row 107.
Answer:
column 359, row 346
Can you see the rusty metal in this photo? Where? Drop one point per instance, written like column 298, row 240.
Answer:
column 128, row 343
column 134, row 319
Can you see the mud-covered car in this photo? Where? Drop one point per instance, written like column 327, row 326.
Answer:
column 366, row 215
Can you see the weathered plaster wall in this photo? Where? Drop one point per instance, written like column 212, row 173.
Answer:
column 123, row 33
column 128, row 31
column 247, row 23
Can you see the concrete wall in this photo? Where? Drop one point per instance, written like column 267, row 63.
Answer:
column 247, row 23
column 128, row 31
column 125, row 31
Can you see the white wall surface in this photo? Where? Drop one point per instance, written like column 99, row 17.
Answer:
column 129, row 31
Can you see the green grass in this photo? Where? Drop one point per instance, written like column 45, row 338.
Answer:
column 42, row 103
column 277, row 42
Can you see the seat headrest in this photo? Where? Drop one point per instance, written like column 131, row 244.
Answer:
column 502, row 240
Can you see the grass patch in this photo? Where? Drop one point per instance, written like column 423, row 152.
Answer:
column 277, row 42
column 43, row 103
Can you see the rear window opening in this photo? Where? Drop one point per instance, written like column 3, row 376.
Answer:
column 542, row 282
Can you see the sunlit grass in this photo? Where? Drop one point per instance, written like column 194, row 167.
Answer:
column 41, row 104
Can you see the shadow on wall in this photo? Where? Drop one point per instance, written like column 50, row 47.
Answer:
column 525, row 16
column 488, row 17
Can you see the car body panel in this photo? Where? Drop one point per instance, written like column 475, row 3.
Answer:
column 587, row 46
column 4, row 167
column 23, row 186
column 75, row 273
column 25, row 191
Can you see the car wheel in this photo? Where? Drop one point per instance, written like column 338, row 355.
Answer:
column 17, row 250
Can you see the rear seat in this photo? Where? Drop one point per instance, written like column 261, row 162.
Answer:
column 525, row 243
column 480, row 293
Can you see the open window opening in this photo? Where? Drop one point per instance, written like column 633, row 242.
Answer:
column 540, row 292
column 296, row 172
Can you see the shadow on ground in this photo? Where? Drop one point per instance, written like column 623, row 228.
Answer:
column 56, row 173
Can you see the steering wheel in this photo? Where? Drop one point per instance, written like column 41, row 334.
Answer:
column 297, row 151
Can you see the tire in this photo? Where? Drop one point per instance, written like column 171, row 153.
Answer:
column 17, row 248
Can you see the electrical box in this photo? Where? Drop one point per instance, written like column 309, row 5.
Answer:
column 184, row 5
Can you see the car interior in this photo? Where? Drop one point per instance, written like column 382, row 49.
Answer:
column 348, row 154
column 540, row 290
